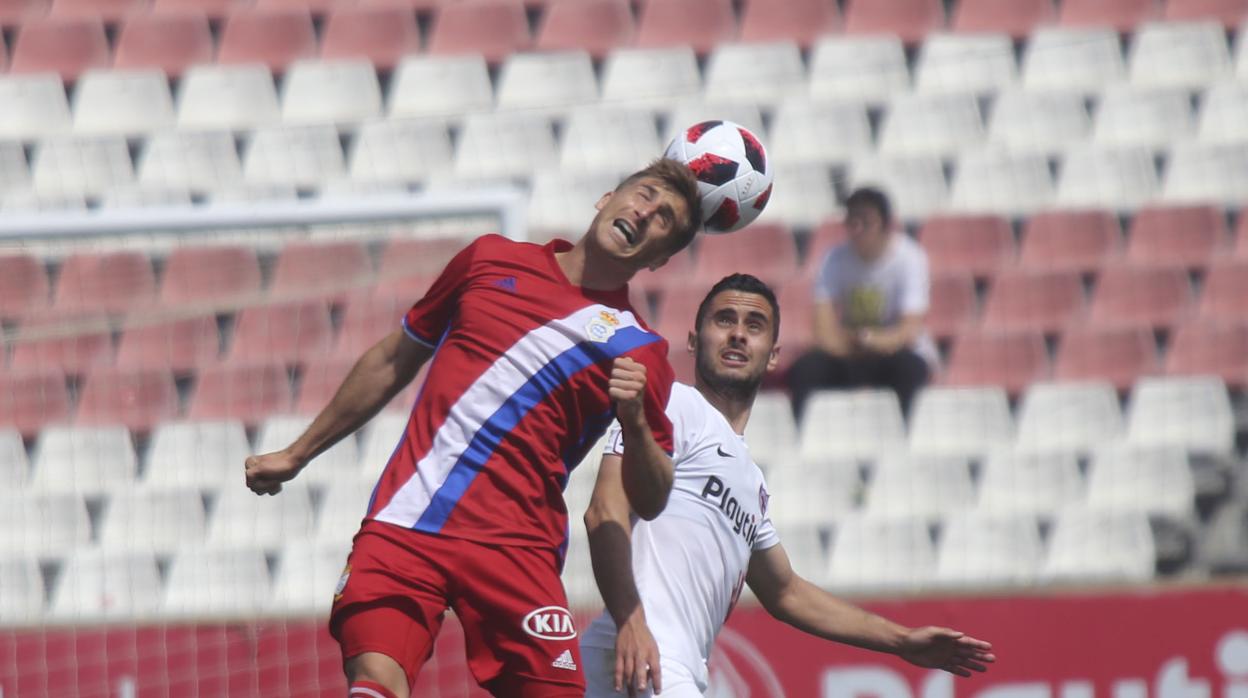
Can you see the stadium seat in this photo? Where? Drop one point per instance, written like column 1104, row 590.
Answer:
column 805, row 546
column 891, row 554
column 399, row 150
column 870, row 69
column 440, row 86
column 1018, row 18
column 797, row 335
column 89, row 460
column 1083, row 61
column 1224, row 545
column 14, row 172
column 308, row 574
column 806, row 130
column 673, row 275
column 966, row 422
column 23, row 285
column 910, row 20
column 210, row 275
column 198, row 161
column 755, row 73
column 1011, row 360
column 916, row 184
column 132, row 196
column 343, row 508
column 1116, row 179
column 928, row 488
column 111, row 282
column 227, row 97
column 65, row 46
column 15, row 12
column 952, row 308
column 215, row 10
column 693, row 111
column 561, row 201
column 828, row 234
column 379, row 35
column 771, row 432
column 42, row 523
column 999, row 182
column 340, row 463
column 339, row 91
column 1230, row 12
column 87, row 165
column 1221, row 114
column 29, row 399
column 1080, row 241
column 966, row 63
column 920, row 124
column 133, row 398
column 1186, row 55
column 979, row 245
column 1157, row 481
column 154, row 520
column 1117, row 355
column 594, row 26
column 1038, row 301
column 69, row 343
column 1038, row 122
column 208, row 582
column 242, row 391
column 511, row 144
column 365, row 321
column 1209, row 349
column 1207, row 174
column 312, row 269
column 122, row 102
column 803, row 195
column 1184, row 236
column 492, row 28
column 698, row 24
column 109, row 11
column 22, row 601
column 1068, row 417
column 851, row 424
column 547, row 82
column 768, row 252
column 170, row 42
column 1226, row 287
column 993, row 549
column 241, row 518
column 14, row 466
column 650, row 77
column 816, row 494
column 1193, row 413
column 199, row 454
column 403, row 260
column 381, row 435
column 1121, row 15
column 1140, row 297
column 292, row 332
column 34, row 106
column 1145, row 117
column 98, row 584
column 303, row 156
column 803, row 21
column 272, row 37
column 1090, row 545
column 1030, row 483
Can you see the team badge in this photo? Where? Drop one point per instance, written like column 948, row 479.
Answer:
column 342, row 582
column 763, row 500
column 601, row 327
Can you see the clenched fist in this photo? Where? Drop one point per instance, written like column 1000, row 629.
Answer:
column 266, row 473
column 627, row 389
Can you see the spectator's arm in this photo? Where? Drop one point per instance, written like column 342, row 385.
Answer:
column 887, row 340
column 830, row 335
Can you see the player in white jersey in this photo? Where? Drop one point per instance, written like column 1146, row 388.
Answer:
column 670, row 583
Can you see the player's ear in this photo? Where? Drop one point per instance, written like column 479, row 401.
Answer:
column 602, row 201
column 773, row 359
column 691, row 343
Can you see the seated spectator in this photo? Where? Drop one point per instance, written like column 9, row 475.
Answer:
column 871, row 295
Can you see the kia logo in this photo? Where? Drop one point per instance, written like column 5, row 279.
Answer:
column 550, row 623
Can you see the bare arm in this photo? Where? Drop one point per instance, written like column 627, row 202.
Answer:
column 793, row 600
column 887, row 340
column 646, row 470
column 830, row 335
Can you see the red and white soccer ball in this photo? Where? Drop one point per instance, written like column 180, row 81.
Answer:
column 733, row 171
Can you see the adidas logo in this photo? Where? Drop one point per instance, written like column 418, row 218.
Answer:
column 564, row 661
column 507, row 283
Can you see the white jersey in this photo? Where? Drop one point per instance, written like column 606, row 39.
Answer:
column 690, row 561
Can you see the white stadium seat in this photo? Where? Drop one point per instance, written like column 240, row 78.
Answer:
column 547, row 82
column 241, row 517
column 198, row 160
column 772, row 433
column 440, row 86
column 578, row 571
column 975, row 63
column 196, row 454
column 381, row 436
column 916, row 184
column 1089, row 545
column 206, row 582
column 561, row 203
column 505, row 144
column 1181, row 54
column 881, row 555
column 22, row 600
column 803, row 195
column 805, row 130
column 851, row 424
column 227, row 97
column 14, row 466
column 252, row 192
column 341, row 462
column 1074, row 417
column 919, row 124
column 307, row 576
column 806, row 550
column 304, row 156
column 1000, row 182
column 1222, row 113
column 960, row 421
column 122, row 102
column 608, row 140
column 862, row 68
column 96, row 585
column 755, row 73
column 1154, row 480
column 1073, row 60
column 1095, row 177
column 35, row 106
column 1241, row 53
column 400, row 150
column 691, row 111
column 924, row 487
column 1035, row 483
column 1038, row 122
column 14, row 172
column 1192, row 413
column 154, row 520
column 90, row 460
column 316, row 91
column 979, row 549
column 816, row 494
column 1152, row 118
column 29, row 200
column 143, row 196
column 81, row 165
column 1200, row 173
column 43, row 524
column 650, row 77
column 342, row 509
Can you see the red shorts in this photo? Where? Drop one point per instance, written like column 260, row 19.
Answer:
column 519, row 636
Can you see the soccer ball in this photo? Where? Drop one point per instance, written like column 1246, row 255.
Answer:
column 734, row 174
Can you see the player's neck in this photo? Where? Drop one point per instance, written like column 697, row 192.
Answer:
column 734, row 405
column 581, row 270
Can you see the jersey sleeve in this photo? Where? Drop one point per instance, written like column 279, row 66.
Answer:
column 430, row 317
column 767, row 536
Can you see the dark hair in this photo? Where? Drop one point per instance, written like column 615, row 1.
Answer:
column 876, row 199
column 745, row 283
column 680, row 179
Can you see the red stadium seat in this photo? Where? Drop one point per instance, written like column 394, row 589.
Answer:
column 134, row 398
column 698, row 24
column 802, row 21
column 319, row 382
column 15, row 12
column 31, row 399
column 318, row 8
column 676, row 314
column 383, row 35
column 1231, row 13
column 1241, row 238
column 797, row 330
column 109, row 11
column 492, row 28
column 683, row 363
column 275, row 38
column 593, row 26
column 1117, row 355
column 249, row 392
column 23, row 285
column 171, row 42
column 1210, row 349
column 365, row 321
column 1140, row 297
column 290, row 332
column 1070, row 240
column 676, row 273
column 213, row 9
column 306, row 269
column 1121, row 15
column 1014, row 17
column 67, row 47
column 73, row 344
column 1012, row 360
column 767, row 251
column 909, row 20
column 408, row 266
column 823, row 238
column 210, row 275
column 972, row 244
column 1043, row 301
column 1225, row 296
column 1185, row 236
column 110, row 282
column 952, row 305
column 178, row 345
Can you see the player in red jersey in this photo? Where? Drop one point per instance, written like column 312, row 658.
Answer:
column 535, row 351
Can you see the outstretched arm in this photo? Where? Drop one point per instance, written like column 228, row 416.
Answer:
column 646, row 470
column 375, row 379
column 790, row 598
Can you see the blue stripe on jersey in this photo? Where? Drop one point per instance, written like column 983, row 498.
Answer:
column 513, row 410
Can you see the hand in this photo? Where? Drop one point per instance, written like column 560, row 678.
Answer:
column 868, row 340
column 636, row 656
column 945, row 649
column 266, row 473
column 627, row 389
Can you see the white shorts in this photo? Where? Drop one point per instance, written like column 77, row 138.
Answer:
column 599, row 667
